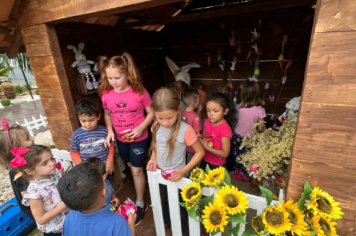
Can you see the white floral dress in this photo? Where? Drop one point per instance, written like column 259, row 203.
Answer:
column 46, row 190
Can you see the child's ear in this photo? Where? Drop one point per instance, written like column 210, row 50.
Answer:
column 103, row 192
column 226, row 111
column 29, row 171
column 99, row 116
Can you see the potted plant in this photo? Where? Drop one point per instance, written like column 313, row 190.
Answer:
column 8, row 89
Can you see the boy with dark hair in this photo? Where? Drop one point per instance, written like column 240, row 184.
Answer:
column 88, row 141
column 110, row 193
column 83, row 190
column 190, row 98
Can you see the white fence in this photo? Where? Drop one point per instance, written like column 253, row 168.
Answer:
column 155, row 178
column 63, row 156
column 34, row 124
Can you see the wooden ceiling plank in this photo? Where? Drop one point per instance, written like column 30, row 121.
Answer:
column 15, row 43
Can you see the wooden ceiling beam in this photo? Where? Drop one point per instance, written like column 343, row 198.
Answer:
column 224, row 12
column 15, row 43
column 48, row 11
column 4, row 30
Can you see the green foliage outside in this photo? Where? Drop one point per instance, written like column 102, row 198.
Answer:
column 5, row 102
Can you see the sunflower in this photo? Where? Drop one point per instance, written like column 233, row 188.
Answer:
column 322, row 203
column 191, row 192
column 215, row 177
column 197, row 175
column 276, row 219
column 214, row 218
column 191, row 204
column 258, row 226
column 296, row 218
column 232, row 200
column 323, row 226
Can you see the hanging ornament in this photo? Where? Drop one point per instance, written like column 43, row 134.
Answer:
column 288, row 65
column 274, row 126
column 284, row 79
column 280, row 61
column 263, row 102
column 271, row 117
column 233, row 63
column 248, row 55
column 222, row 65
column 255, row 35
column 238, row 51
column 285, row 40
column 219, row 57
column 256, row 73
column 271, row 98
column 235, row 99
column 209, row 59
column 256, row 49
column 232, row 39
column 240, row 86
column 267, row 85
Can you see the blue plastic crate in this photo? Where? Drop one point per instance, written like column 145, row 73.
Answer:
column 13, row 221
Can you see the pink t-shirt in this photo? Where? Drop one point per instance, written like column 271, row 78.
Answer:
column 193, row 119
column 217, row 132
column 126, row 110
column 247, row 118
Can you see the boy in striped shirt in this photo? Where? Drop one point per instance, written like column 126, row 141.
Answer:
column 88, row 141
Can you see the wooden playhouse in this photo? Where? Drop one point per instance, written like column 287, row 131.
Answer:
column 320, row 33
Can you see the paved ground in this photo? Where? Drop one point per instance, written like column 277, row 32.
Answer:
column 23, row 110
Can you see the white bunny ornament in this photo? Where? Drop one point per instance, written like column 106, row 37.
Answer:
column 83, row 66
column 181, row 73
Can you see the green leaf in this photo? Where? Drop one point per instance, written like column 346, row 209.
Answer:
column 206, row 200
column 304, row 196
column 268, row 195
column 227, row 178
column 215, row 232
column 193, row 212
column 183, row 204
column 248, row 233
column 237, row 218
column 207, row 168
column 235, row 230
column 228, row 230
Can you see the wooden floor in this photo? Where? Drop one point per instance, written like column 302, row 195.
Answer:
column 146, row 227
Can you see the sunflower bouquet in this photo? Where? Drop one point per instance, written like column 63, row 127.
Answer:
column 268, row 153
column 229, row 204
column 313, row 215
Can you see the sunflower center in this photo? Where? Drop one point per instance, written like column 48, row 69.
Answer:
column 215, row 217
column 275, row 218
column 324, row 205
column 231, row 201
column 258, row 224
column 196, row 174
column 325, row 226
column 191, row 192
column 292, row 217
column 215, row 177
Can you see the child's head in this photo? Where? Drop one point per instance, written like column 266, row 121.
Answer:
column 166, row 105
column 12, row 137
column 82, row 187
column 179, row 86
column 223, row 88
column 39, row 162
column 217, row 106
column 190, row 97
column 250, row 94
column 88, row 113
column 98, row 163
column 118, row 72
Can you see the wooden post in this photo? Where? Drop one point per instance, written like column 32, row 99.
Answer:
column 324, row 150
column 46, row 60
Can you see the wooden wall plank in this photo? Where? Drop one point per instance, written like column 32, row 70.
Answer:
column 337, row 15
column 44, row 11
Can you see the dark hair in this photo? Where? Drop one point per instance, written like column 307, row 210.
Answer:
column 179, row 86
column 225, row 102
column 80, row 188
column 189, row 96
column 250, row 94
column 87, row 107
column 33, row 157
column 98, row 163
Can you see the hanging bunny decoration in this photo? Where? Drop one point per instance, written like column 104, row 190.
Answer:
column 232, row 39
column 233, row 63
column 181, row 73
column 222, row 65
column 83, row 66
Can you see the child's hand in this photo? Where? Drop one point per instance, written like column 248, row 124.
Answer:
column 205, row 144
column 109, row 167
column 151, row 165
column 62, row 171
column 180, row 174
column 200, row 108
column 115, row 202
column 110, row 138
column 136, row 132
column 132, row 219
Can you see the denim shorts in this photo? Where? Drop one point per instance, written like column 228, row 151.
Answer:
column 133, row 153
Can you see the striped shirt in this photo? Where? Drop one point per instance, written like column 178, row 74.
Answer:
column 90, row 143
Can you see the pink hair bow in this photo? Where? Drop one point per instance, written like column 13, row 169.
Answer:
column 253, row 79
column 7, row 127
column 19, row 160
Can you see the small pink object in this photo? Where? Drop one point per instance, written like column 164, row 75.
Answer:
column 208, row 139
column 232, row 41
column 124, row 135
column 254, row 169
column 279, row 178
column 267, row 86
column 274, row 126
column 59, row 165
column 168, row 173
column 271, row 98
column 127, row 207
column 271, row 117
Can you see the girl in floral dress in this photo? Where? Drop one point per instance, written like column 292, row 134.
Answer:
column 37, row 165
